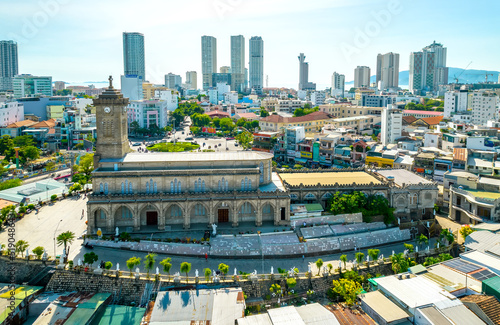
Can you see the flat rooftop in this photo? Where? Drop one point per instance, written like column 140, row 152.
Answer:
column 403, row 176
column 384, row 307
column 329, row 178
column 136, row 157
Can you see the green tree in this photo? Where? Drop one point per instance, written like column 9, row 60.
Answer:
column 38, row 251
column 90, row 258
column 226, row 124
column 409, row 247
column 167, row 265
column 374, row 253
column 149, row 262
column 223, row 268
column 359, row 257
column 275, row 288
column 400, row 263
column 6, row 143
column 10, row 183
column 346, row 290
column 319, row 264
column 245, row 139
column 86, row 165
column 207, row 273
column 263, row 112
column 291, row 282
column 20, row 247
column 185, row 268
column 75, row 188
column 241, row 122
column 132, row 263
column 200, row 120
column 466, row 231
column 216, row 122
column 343, row 258
column 447, row 235
column 330, row 268
column 108, row 265
column 30, row 152
column 422, row 240
column 65, row 238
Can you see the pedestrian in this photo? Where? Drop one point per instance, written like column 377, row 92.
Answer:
column 206, row 257
column 303, row 258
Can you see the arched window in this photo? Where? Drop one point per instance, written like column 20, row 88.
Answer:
column 130, row 188
column 176, row 211
column 269, row 169
column 101, row 188
column 179, row 188
column 249, row 185
column 123, row 189
column 102, row 214
column 242, row 184
column 106, row 188
column 261, row 170
column 266, row 208
column 196, row 186
column 126, row 213
column 172, row 187
column 203, row 186
column 220, row 189
column 147, row 187
column 155, row 190
column 199, row 210
column 227, row 186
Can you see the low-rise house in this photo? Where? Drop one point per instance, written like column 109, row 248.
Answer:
column 452, row 141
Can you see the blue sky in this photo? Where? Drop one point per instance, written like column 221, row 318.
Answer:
column 79, row 41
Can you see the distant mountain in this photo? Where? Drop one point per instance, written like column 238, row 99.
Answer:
column 467, row 76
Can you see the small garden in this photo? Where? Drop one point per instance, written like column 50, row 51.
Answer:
column 174, row 147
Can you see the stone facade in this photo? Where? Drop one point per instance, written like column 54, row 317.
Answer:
column 134, row 190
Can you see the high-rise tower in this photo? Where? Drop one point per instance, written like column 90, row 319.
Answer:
column 208, row 60
column 238, row 63
column 256, row 64
column 133, row 55
column 8, row 64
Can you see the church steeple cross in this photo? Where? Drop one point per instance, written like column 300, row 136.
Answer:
column 110, row 81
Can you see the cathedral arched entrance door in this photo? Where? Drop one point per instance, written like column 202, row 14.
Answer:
column 223, row 214
column 152, row 218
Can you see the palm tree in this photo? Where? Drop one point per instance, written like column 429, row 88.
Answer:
column 319, row 264
column 149, row 262
column 448, row 235
column 343, row 258
column 21, row 246
column 422, row 239
column 65, row 238
column 167, row 265
column 185, row 268
column 134, row 126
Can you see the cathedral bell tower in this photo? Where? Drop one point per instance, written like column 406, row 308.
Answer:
column 111, row 124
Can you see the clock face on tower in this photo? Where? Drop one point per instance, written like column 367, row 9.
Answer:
column 107, row 109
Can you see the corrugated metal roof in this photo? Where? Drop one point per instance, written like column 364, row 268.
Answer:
column 435, row 316
column 262, row 319
column 462, row 315
column 315, row 314
column 285, row 316
column 481, row 240
column 384, row 307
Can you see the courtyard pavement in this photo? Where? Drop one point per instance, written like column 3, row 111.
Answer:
column 40, row 228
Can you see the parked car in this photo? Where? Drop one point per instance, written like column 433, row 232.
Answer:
column 136, row 144
column 189, row 138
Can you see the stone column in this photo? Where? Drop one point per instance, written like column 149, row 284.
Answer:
column 234, row 215
column 161, row 220
column 187, row 217
column 258, row 220
column 91, row 222
column 211, row 212
column 110, row 222
column 137, row 218
column 277, row 213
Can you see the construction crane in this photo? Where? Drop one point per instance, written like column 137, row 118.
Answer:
column 486, row 77
column 456, row 78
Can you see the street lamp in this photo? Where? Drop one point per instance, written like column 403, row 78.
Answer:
column 55, row 238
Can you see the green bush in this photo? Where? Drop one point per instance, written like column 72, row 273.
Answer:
column 53, row 197
column 170, row 147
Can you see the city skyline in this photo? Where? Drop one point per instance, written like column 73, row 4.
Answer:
column 330, row 45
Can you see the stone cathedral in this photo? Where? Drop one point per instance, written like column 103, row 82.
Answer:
column 159, row 190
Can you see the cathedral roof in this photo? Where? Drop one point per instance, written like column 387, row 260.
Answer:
column 136, row 157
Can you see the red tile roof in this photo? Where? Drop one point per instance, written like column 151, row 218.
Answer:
column 45, row 124
column 217, row 113
column 460, row 154
column 488, row 304
column 434, row 120
column 19, row 124
column 314, row 116
column 409, row 119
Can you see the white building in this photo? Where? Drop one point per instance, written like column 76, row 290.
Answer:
column 192, row 80
column 131, row 87
column 338, row 85
column 432, row 140
column 317, row 98
column 387, row 75
column 288, row 105
column 11, row 113
column 26, row 85
column 484, row 107
column 231, row 97
column 170, row 97
column 392, row 123
column 302, row 94
column 455, row 101
column 172, row 81
column 148, row 112
column 213, row 95
column 361, row 77
column 222, row 90
column 81, row 103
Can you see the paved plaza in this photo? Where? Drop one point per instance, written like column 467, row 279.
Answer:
column 259, row 253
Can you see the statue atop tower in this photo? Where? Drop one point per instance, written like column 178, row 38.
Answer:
column 111, row 124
